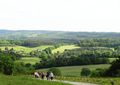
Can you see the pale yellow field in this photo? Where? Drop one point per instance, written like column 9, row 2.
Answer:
column 62, row 48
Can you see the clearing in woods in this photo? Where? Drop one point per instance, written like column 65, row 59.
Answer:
column 61, row 49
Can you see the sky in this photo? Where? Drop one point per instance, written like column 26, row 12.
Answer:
column 62, row 15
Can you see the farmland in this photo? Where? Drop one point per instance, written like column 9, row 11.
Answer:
column 74, row 71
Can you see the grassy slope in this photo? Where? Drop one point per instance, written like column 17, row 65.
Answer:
column 99, row 81
column 62, row 48
column 31, row 60
column 26, row 49
column 24, row 80
column 75, row 70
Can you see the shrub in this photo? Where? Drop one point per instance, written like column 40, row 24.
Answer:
column 114, row 70
column 55, row 71
column 85, row 72
column 21, row 68
column 6, row 65
column 98, row 73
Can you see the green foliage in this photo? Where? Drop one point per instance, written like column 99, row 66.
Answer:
column 114, row 70
column 85, row 72
column 21, row 68
column 81, row 56
column 99, row 72
column 55, row 71
column 6, row 65
column 102, row 42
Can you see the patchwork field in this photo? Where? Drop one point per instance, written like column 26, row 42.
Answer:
column 74, row 71
column 62, row 48
column 26, row 49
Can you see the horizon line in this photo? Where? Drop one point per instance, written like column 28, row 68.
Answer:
column 59, row 30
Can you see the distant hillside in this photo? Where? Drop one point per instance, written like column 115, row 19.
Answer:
column 40, row 34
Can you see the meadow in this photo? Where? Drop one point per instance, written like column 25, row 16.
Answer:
column 61, row 49
column 74, row 71
column 31, row 60
column 25, row 80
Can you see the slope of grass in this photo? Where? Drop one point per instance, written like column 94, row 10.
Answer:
column 26, row 49
column 99, row 81
column 31, row 60
column 74, row 71
column 62, row 48
column 25, row 80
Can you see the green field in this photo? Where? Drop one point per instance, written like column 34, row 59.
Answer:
column 112, row 59
column 62, row 48
column 74, row 71
column 25, row 80
column 26, row 49
column 31, row 60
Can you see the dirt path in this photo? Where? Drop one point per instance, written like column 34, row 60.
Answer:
column 75, row 83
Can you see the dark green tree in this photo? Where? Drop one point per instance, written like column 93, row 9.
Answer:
column 85, row 72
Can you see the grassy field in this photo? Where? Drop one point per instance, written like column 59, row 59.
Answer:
column 74, row 71
column 25, row 80
column 62, row 48
column 26, row 49
column 99, row 81
column 112, row 59
column 31, row 60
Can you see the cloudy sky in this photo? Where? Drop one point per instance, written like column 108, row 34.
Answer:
column 66, row 15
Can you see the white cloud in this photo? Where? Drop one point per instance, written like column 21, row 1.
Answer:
column 67, row 15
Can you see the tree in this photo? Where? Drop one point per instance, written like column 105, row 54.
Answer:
column 98, row 72
column 7, row 65
column 85, row 72
column 114, row 69
column 55, row 71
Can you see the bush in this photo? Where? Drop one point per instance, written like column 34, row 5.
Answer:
column 98, row 73
column 6, row 65
column 85, row 72
column 21, row 68
column 114, row 70
column 55, row 71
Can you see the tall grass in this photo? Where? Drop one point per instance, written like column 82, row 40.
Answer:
column 24, row 80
